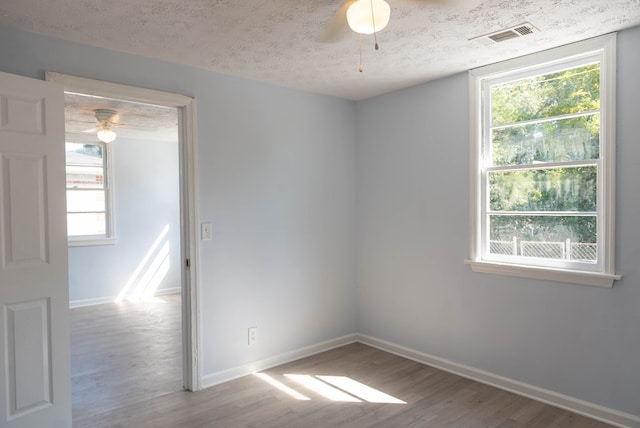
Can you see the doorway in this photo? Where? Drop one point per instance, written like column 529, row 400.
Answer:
column 152, row 268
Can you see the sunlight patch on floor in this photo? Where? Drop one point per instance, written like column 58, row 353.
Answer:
column 322, row 388
column 334, row 388
column 282, row 387
column 360, row 390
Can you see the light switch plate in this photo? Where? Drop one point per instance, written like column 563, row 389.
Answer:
column 205, row 231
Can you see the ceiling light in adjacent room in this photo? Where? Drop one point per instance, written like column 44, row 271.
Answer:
column 105, row 134
column 104, row 118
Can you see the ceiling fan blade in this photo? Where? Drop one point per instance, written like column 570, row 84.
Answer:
column 90, row 131
column 115, row 119
column 454, row 4
column 338, row 28
column 137, row 127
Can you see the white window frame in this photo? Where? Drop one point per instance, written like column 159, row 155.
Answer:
column 109, row 237
column 602, row 49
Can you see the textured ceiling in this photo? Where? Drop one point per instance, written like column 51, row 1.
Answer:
column 280, row 41
column 133, row 121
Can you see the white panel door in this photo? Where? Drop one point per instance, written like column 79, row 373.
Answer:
column 35, row 380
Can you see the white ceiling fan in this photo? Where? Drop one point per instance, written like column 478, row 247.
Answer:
column 109, row 119
column 371, row 16
column 105, row 118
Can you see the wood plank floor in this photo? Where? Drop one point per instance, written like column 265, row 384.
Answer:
column 126, row 373
column 124, row 354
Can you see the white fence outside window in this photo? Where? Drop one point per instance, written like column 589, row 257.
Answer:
column 564, row 250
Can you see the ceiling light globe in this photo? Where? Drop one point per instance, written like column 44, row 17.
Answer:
column 359, row 16
column 106, row 135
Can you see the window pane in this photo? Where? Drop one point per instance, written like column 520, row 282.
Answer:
column 547, row 237
column 79, row 224
column 85, row 177
column 85, row 166
column 85, row 200
column 80, row 151
column 557, row 189
column 568, row 139
column 548, row 95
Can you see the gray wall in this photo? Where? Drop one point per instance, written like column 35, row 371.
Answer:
column 413, row 237
column 277, row 181
column 146, row 200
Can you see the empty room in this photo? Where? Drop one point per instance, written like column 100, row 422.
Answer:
column 335, row 214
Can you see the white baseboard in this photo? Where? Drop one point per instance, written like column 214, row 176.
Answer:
column 167, row 291
column 101, row 300
column 595, row 411
column 90, row 302
column 256, row 366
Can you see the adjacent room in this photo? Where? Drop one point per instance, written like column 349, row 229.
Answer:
column 363, row 213
column 123, row 211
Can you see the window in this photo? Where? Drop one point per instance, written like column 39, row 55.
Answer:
column 88, row 194
column 543, row 158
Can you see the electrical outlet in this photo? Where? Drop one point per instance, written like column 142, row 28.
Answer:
column 253, row 335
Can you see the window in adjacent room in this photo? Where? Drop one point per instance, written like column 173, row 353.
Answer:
column 543, row 159
column 89, row 218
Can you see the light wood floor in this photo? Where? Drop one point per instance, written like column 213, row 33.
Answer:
column 126, row 373
column 124, row 354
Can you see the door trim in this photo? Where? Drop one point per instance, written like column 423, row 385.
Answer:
column 192, row 371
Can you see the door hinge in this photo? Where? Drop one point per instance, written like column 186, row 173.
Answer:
column 187, row 263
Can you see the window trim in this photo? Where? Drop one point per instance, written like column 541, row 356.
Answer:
column 604, row 276
column 109, row 237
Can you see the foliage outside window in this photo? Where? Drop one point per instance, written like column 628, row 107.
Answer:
column 88, row 202
column 543, row 165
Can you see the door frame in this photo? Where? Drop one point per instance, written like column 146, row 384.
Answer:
column 186, row 106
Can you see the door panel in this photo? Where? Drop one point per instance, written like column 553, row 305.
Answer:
column 35, row 383
column 21, row 114
column 28, row 349
column 25, row 213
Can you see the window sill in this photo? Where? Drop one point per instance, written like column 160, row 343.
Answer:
column 595, row 279
column 91, row 242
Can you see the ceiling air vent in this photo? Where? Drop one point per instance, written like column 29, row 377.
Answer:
column 508, row 34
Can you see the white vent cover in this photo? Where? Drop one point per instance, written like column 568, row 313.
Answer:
column 503, row 35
